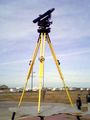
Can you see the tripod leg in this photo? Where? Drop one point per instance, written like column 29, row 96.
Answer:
column 41, row 68
column 41, row 117
column 30, row 69
column 58, row 67
column 44, row 44
column 78, row 117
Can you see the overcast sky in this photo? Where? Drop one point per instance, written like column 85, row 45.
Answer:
column 70, row 36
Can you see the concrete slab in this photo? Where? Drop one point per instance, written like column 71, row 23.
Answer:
column 46, row 109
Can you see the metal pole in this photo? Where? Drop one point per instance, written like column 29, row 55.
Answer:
column 32, row 81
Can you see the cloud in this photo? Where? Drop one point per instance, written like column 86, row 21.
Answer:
column 69, row 54
column 78, row 52
column 70, row 32
column 71, row 22
column 15, row 62
column 16, row 20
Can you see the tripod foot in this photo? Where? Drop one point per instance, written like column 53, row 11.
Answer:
column 78, row 117
column 41, row 117
column 13, row 115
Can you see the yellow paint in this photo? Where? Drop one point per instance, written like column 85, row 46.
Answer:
column 41, row 67
column 59, row 70
column 30, row 70
column 41, row 43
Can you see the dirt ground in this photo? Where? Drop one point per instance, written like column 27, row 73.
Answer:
column 50, row 96
column 58, row 117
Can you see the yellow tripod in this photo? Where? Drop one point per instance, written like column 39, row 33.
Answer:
column 43, row 37
column 44, row 28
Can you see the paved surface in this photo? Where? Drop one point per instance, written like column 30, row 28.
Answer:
column 5, row 113
column 47, row 109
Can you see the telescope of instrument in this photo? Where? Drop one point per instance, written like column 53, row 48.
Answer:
column 44, row 22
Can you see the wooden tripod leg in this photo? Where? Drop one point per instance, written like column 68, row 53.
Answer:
column 41, row 67
column 58, row 67
column 30, row 69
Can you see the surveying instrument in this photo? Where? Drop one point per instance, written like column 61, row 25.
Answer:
column 43, row 22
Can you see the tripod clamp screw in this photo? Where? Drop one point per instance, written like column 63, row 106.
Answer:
column 41, row 59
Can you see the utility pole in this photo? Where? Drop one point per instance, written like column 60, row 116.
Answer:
column 31, row 76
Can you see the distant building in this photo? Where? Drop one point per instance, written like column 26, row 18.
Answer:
column 35, row 89
column 53, row 89
column 83, row 89
column 72, row 88
column 1, row 91
column 13, row 90
column 63, row 88
column 88, row 89
column 4, row 87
